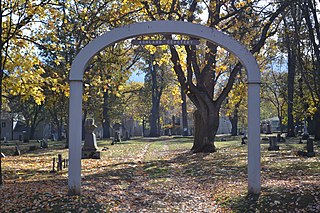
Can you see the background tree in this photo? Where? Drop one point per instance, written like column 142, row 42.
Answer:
column 16, row 19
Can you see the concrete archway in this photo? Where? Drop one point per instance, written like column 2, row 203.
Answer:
column 163, row 27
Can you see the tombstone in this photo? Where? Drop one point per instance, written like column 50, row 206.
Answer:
column 273, row 144
column 17, row 151
column 268, row 129
column 261, row 127
column 117, row 132
column 310, row 151
column 305, row 136
column 33, row 148
column 44, row 143
column 116, row 137
column 89, row 149
column 59, row 164
column 53, row 165
column 243, row 141
column 25, row 137
column 280, row 139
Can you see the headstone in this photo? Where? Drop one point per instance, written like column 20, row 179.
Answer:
column 25, row 137
column 44, row 143
column 32, row 148
column 53, row 165
column 89, row 149
column 59, row 164
column 310, row 150
column 280, row 138
column 116, row 137
column 117, row 128
column 268, row 130
column 305, row 136
column 273, row 144
column 17, row 150
column 243, row 141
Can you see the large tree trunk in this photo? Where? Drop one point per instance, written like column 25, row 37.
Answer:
column 105, row 115
column 291, row 75
column 154, row 121
column 185, row 131
column 154, row 117
column 206, row 126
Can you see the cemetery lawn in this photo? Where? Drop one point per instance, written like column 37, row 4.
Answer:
column 161, row 175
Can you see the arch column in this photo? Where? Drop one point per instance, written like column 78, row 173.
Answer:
column 254, row 185
column 75, row 132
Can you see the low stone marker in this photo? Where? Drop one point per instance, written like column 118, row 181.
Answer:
column 44, row 144
column 59, row 163
column 243, row 141
column 280, row 138
column 310, row 151
column 116, row 138
column 17, row 151
column 33, row 148
column 273, row 146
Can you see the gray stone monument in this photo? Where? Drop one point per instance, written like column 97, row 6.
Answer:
column 310, row 150
column 90, row 149
column 273, row 146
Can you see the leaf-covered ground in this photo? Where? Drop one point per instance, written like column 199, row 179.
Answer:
column 161, row 175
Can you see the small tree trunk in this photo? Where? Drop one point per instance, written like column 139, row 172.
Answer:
column 83, row 122
column 185, row 131
column 205, row 131
column 316, row 119
column 234, row 122
column 105, row 114
column 143, row 127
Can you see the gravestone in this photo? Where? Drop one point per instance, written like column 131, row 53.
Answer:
column 280, row 138
column 310, row 150
column 243, row 141
column 305, row 136
column 90, row 149
column 273, row 144
column 268, row 128
column 25, row 137
column 44, row 143
column 117, row 128
column 17, row 151
column 33, row 148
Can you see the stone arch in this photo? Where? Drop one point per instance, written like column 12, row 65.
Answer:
column 163, row 27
